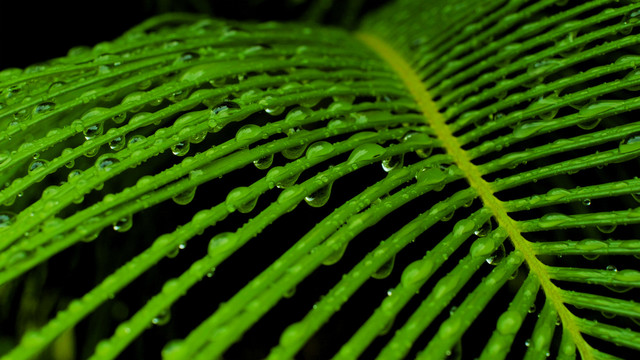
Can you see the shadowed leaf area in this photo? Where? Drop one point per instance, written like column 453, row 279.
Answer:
column 430, row 180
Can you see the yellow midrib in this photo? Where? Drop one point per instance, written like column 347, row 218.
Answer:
column 484, row 190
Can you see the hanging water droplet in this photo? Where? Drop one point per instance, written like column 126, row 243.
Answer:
column 136, row 141
column 336, row 255
column 606, row 229
column 319, row 149
column 385, row 270
column 270, row 106
column 263, row 163
column 527, row 129
column 295, row 151
column 92, row 131
column 365, row 152
column 586, row 202
column 185, row 197
column 178, row 95
column 181, row 148
column 629, row 144
column 117, row 143
column 222, row 243
column 497, row 256
column 484, row 230
column 219, row 114
column 162, row 318
column 44, row 107
column 198, row 138
column 6, row 219
column 248, row 132
column 242, row 198
column 289, row 293
column 297, row 115
column 392, row 162
column 319, row 197
column 611, row 268
column 589, row 124
column 123, row 224
column 37, row 166
column 105, row 162
column 118, row 119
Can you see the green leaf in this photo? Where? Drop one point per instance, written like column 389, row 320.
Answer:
column 455, row 179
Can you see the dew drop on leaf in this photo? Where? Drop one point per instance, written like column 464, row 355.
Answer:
column 393, row 162
column 263, row 163
column 162, row 318
column 319, row 197
column 319, row 149
column 606, row 229
column 93, row 131
column 44, row 107
column 118, row 143
column 37, row 166
column 6, row 219
column 336, row 255
column 385, row 270
column 184, row 197
column 242, row 198
column 484, row 230
column 105, row 162
column 629, row 144
column 248, row 132
column 222, row 243
column 180, row 148
column 123, row 224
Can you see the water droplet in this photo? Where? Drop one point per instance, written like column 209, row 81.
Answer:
column 188, row 56
column 589, row 124
column 270, row 107
column 431, row 176
column 586, row 202
column 222, row 243
column 181, row 148
column 392, row 162
column 497, row 256
column 629, row 144
column 123, row 224
column 484, row 230
column 482, row 247
column 220, row 113
column 44, row 107
column 105, row 162
column 606, row 229
column 336, row 255
column 319, row 149
column 198, row 138
column 242, row 198
column 365, row 153
column 93, row 131
column 527, row 129
column 37, row 166
column 178, row 95
column 416, row 272
column 136, row 141
column 289, row 293
column 319, row 197
column 611, row 268
column 248, row 132
column 118, row 119
column 185, row 197
column 117, row 143
column 263, row 163
column 162, row 318
column 6, row 219
column 543, row 103
column 295, row 151
column 532, row 309
column 385, row 270
column 297, row 115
